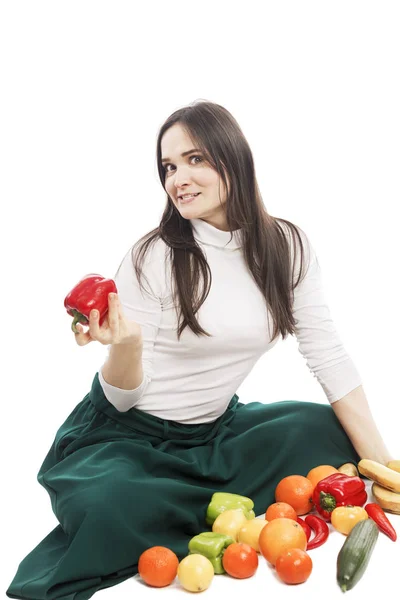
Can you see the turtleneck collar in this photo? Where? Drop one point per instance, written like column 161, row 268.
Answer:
column 212, row 236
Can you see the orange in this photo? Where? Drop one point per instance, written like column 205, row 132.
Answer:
column 280, row 535
column 280, row 509
column 240, row 560
column 294, row 566
column 158, row 566
column 318, row 473
column 295, row 490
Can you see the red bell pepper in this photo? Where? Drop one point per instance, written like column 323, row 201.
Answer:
column 91, row 293
column 338, row 490
column 377, row 514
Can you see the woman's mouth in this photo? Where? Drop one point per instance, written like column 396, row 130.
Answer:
column 188, row 199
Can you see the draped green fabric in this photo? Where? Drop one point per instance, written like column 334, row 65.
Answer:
column 122, row 482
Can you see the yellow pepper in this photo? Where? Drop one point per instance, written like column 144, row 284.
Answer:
column 343, row 518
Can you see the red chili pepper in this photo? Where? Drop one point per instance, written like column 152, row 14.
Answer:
column 338, row 490
column 321, row 530
column 307, row 528
column 90, row 293
column 377, row 514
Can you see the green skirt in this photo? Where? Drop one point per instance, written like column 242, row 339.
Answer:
column 122, row 482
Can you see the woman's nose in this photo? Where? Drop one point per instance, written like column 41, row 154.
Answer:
column 181, row 176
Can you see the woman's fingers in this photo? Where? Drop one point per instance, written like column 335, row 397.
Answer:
column 109, row 332
column 82, row 338
column 94, row 329
column 113, row 315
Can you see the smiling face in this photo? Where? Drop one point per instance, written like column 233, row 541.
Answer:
column 191, row 173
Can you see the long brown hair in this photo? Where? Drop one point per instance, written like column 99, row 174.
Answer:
column 264, row 243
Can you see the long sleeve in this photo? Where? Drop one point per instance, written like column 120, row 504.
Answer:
column 319, row 342
column 145, row 308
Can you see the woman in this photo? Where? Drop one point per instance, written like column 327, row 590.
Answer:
column 162, row 429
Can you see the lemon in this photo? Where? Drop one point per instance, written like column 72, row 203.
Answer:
column 250, row 533
column 195, row 573
column 229, row 522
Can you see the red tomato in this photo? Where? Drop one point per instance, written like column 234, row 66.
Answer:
column 294, row 566
column 240, row 560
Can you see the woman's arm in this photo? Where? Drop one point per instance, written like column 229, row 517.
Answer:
column 124, row 368
column 128, row 369
column 356, row 419
column 327, row 359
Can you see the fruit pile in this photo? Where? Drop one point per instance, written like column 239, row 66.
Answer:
column 326, row 495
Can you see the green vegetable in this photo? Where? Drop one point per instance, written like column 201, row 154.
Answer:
column 211, row 545
column 221, row 501
column 355, row 553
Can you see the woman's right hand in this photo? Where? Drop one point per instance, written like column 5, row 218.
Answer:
column 114, row 330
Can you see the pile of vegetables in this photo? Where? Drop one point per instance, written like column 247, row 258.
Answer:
column 339, row 499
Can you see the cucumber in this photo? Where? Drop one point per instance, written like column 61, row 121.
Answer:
column 355, row 553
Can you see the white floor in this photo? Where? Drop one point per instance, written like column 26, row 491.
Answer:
column 381, row 574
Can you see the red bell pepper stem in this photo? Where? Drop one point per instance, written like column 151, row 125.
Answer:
column 377, row 514
column 307, row 528
column 321, row 531
column 78, row 318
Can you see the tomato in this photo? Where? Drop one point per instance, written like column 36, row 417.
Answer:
column 240, row 560
column 294, row 566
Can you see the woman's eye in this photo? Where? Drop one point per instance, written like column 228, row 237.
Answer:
column 169, row 164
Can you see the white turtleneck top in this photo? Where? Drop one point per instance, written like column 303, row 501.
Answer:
column 193, row 380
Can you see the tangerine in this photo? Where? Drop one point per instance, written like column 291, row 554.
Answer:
column 295, row 490
column 280, row 509
column 316, row 474
column 280, row 535
column 158, row 566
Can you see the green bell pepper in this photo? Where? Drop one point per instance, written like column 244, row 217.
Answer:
column 221, row 501
column 211, row 545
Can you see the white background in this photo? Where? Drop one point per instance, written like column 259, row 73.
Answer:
column 85, row 88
